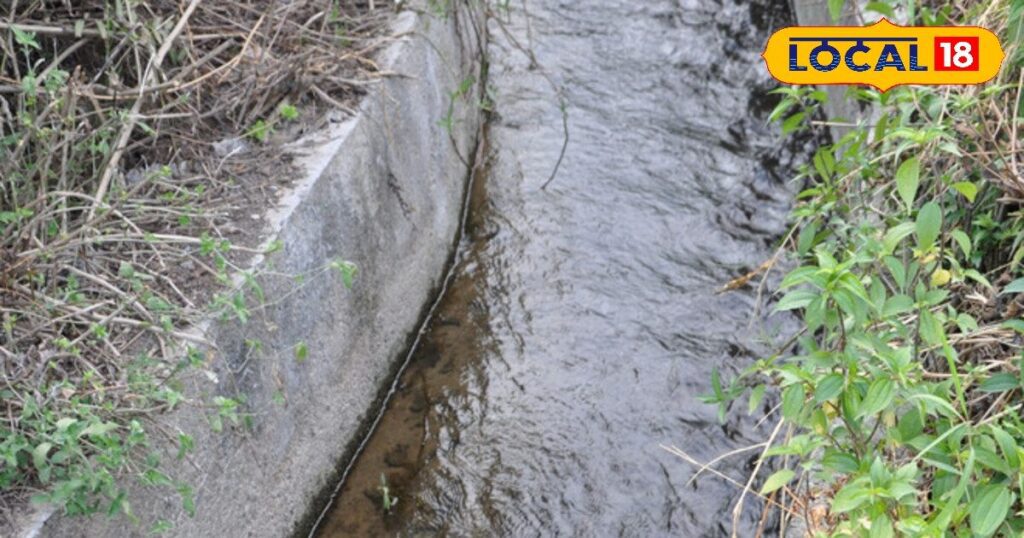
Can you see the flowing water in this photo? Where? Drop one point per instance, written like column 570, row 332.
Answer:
column 582, row 324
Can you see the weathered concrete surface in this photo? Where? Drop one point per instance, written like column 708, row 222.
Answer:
column 383, row 190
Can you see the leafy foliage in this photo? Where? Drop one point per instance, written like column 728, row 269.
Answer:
column 904, row 398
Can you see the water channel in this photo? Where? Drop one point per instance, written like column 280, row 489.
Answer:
column 582, row 323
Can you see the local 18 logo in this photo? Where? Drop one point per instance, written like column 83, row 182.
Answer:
column 883, row 55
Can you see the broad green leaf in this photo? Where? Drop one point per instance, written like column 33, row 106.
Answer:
column 961, row 239
column 879, row 396
column 777, row 480
column 910, row 425
column 989, row 459
column 829, row 387
column 824, row 163
column 1017, row 286
column 781, row 108
column 806, row 238
column 897, row 304
column 796, row 299
column 793, row 122
column 929, row 222
column 98, row 428
column 799, row 276
column 974, row 275
column 897, row 270
column 793, row 401
column 881, row 527
column 839, row 461
column 39, row 455
column 894, row 235
column 908, row 176
column 850, row 497
column 931, row 329
column 1007, row 445
column 989, row 508
column 1000, row 382
column 825, row 259
column 967, row 189
column 937, row 404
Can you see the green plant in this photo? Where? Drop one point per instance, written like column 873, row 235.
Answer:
column 904, row 400
column 387, row 501
column 114, row 222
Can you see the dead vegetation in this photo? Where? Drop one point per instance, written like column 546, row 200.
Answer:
column 133, row 136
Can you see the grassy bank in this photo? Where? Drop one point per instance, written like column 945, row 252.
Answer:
column 900, row 399
column 139, row 145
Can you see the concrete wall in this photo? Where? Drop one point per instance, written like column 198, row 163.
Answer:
column 383, row 190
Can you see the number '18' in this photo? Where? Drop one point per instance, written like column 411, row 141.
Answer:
column 956, row 53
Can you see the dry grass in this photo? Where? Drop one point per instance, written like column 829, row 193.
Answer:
column 116, row 207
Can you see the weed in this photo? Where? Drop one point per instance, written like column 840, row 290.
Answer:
column 387, row 501
column 903, row 401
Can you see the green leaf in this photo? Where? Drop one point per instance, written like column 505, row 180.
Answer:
column 839, row 461
column 897, row 304
column 881, row 527
column 835, row 9
column 793, row 122
column 39, row 455
column 989, row 508
column 825, row 259
column 931, row 329
column 796, row 299
column 756, row 395
column 65, row 423
column 98, row 428
column 781, row 108
column 897, row 270
column 777, row 480
column 936, row 403
column 824, row 163
column 974, row 275
column 793, row 401
column 881, row 8
column 1007, row 445
column 1017, row 286
column 967, row 189
column 1000, row 382
column 965, row 242
column 894, row 235
column 850, row 497
column 288, row 111
column 26, row 39
column 829, row 387
column 126, row 270
column 908, row 177
column 301, row 352
column 347, row 270
column 879, row 396
column 929, row 221
column 806, row 238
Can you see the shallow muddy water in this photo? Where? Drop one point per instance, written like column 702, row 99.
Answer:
column 582, row 323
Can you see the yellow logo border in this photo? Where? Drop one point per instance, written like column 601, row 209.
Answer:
column 886, row 23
